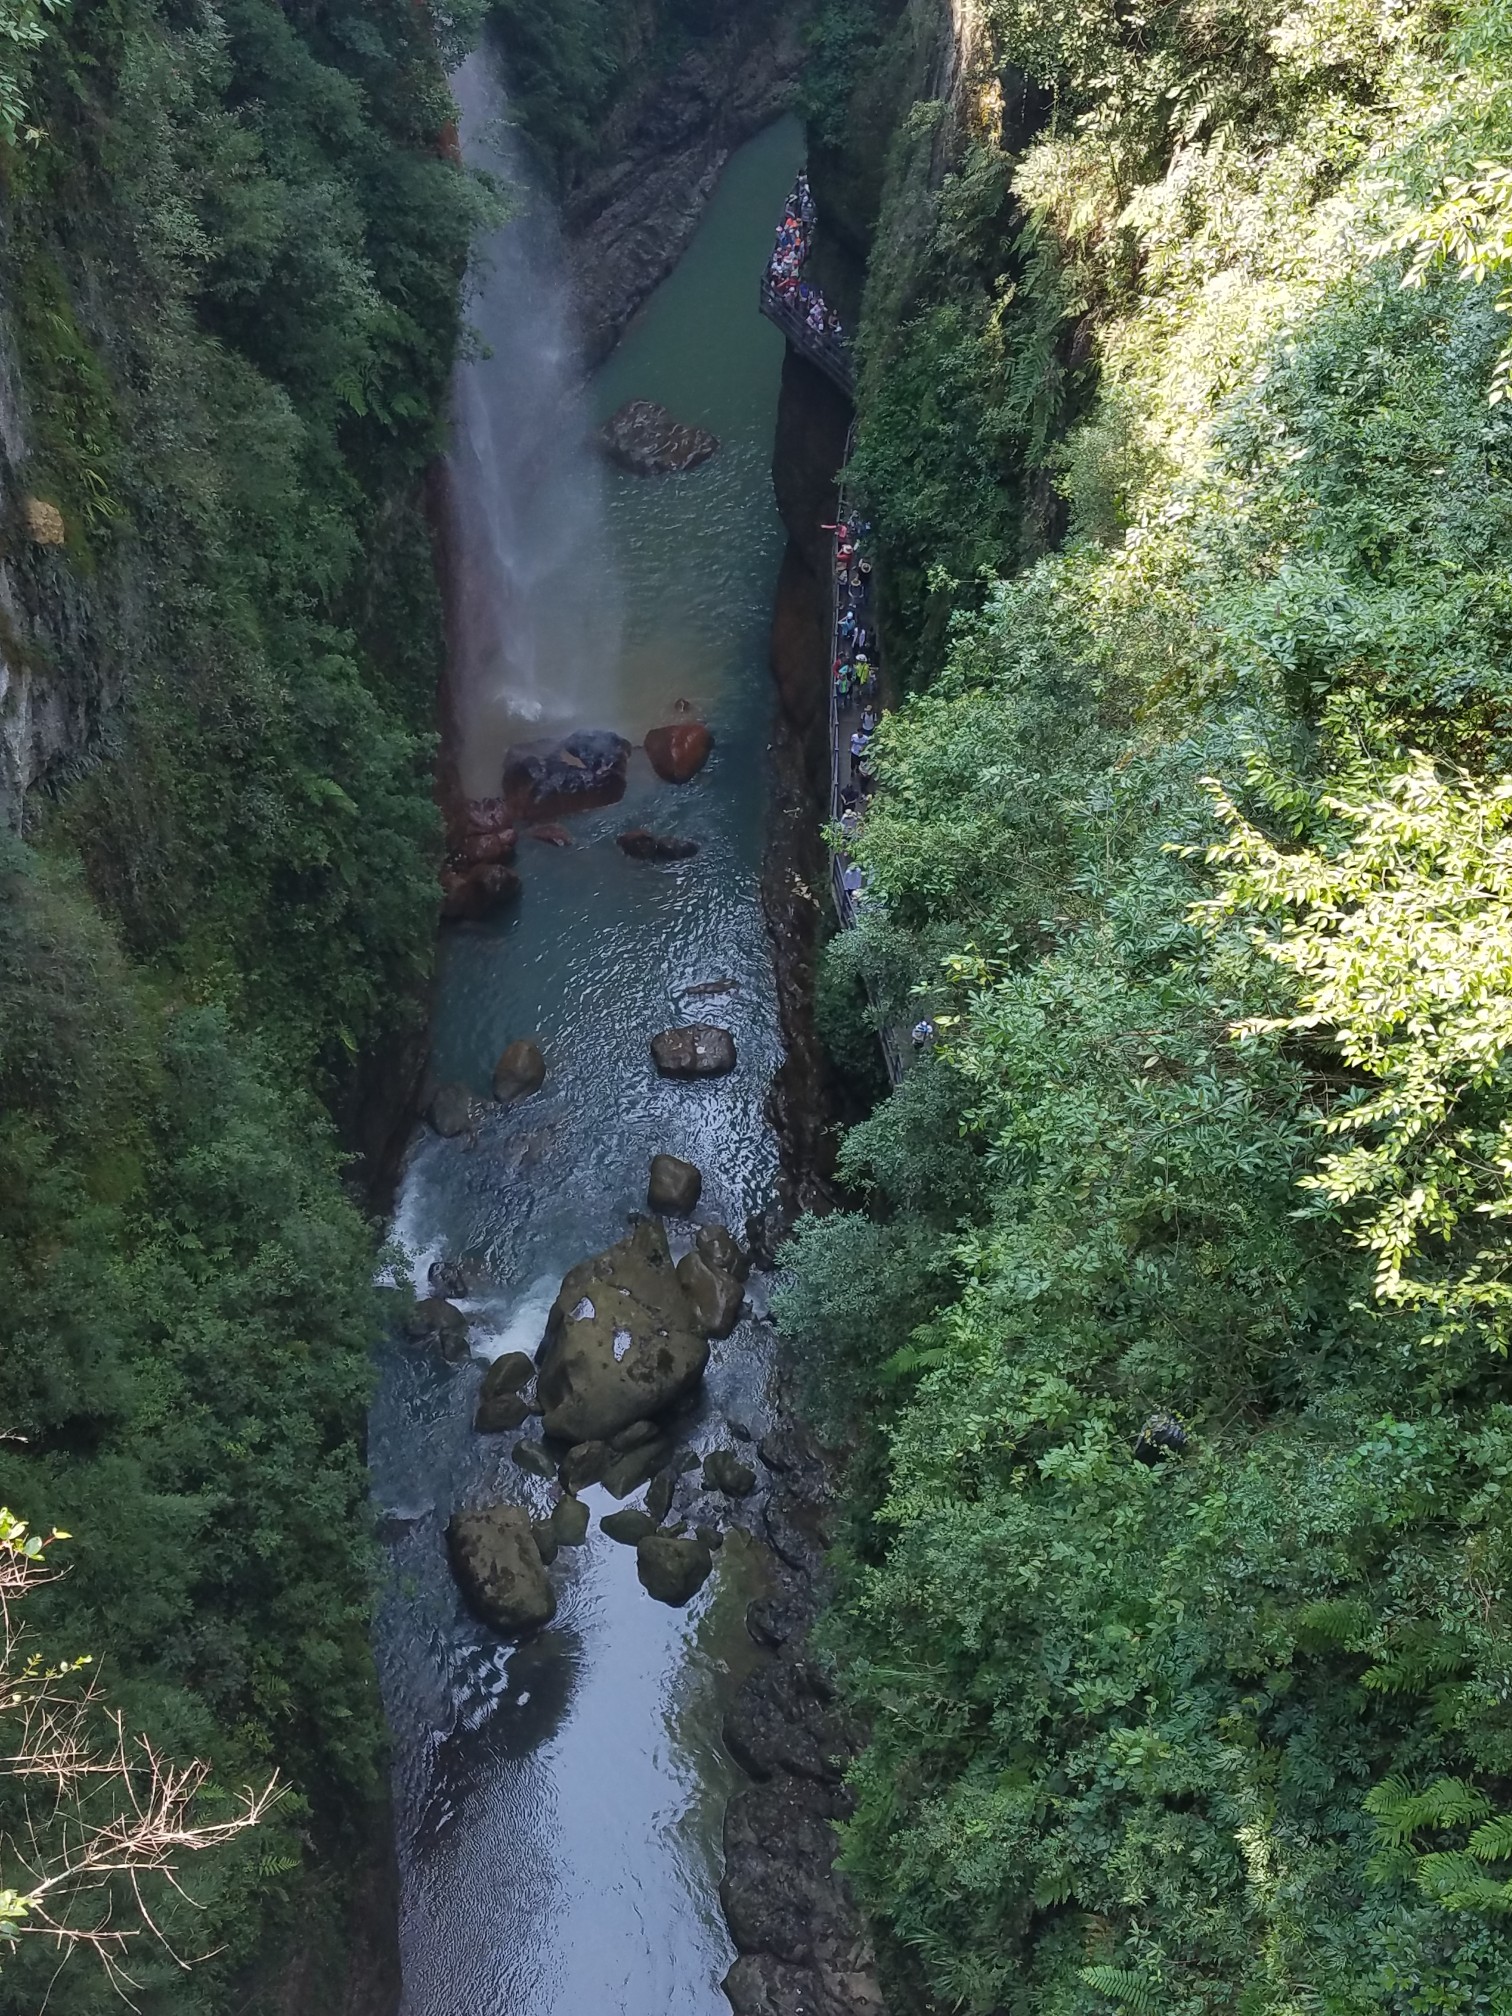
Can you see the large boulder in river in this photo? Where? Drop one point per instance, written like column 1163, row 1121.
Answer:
column 483, row 833
column 672, row 1569
column 718, row 1245
column 468, row 895
column 680, row 751
column 500, row 1406
column 498, row 1567
column 675, row 1185
column 520, row 1071
column 435, row 1321
column 697, row 1050
column 621, row 1342
column 716, row 1297
column 451, row 1111
column 567, row 773
column 645, row 439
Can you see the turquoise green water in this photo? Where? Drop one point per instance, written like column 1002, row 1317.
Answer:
column 559, row 1802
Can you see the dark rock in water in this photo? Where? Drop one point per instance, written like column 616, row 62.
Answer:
column 772, row 1622
column 500, row 1406
column 499, row 1412
column 628, row 1472
column 738, row 1429
column 621, row 1341
column 451, row 1111
column 764, row 1233
column 584, row 1463
column 708, row 1536
column 642, row 845
column 483, row 850
column 544, row 1534
column 724, row 1471
column 779, row 1845
column 468, row 895
column 720, row 1249
column 628, row 1527
column 783, row 1720
column 534, row 1458
column 636, row 1436
column 684, row 1461
column 551, row 836
column 499, row 1570
column 434, row 1320
column 716, row 1298
column 509, row 1372
column 701, row 989
column 570, row 773
column 672, row 1570
column 659, row 1496
column 675, row 1185
column 680, row 751
column 788, row 1447
column 759, row 1984
column 448, row 1277
column 697, row 1050
column 645, row 439
column 519, row 1072
column 569, row 1521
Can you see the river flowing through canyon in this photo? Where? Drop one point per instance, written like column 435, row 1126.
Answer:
column 558, row 1802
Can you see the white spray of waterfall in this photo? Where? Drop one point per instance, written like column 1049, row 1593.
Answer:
column 535, row 607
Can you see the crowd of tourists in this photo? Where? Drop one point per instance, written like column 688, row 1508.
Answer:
column 856, row 673
column 790, row 256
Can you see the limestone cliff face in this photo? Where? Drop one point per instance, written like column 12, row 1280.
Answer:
column 630, row 211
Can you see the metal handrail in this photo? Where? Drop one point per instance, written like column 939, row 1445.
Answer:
column 845, row 903
column 829, row 352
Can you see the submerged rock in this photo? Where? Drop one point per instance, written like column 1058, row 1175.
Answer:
column 675, row 1185
column 724, row 1471
column 468, row 895
column 679, row 751
column 433, row 1320
column 551, row 836
column 672, row 1570
column 499, row 1569
column 534, row 1458
column 644, row 438
column 628, row 1527
column 519, row 1072
column 544, row 1534
column 697, row 1050
column 621, row 1341
column 642, row 845
column 451, row 1112
column 716, row 1297
column 570, row 773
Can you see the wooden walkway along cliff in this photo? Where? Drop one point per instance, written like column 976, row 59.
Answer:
column 830, row 353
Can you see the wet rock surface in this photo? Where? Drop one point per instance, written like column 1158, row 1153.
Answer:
column 696, row 1050
column 435, row 1323
column 643, row 845
column 468, row 895
column 672, row 1570
column 451, row 1111
column 498, row 1567
column 520, row 1071
column 680, row 751
column 574, row 773
column 649, row 441
column 622, row 1343
column 716, row 1297
column 674, row 1185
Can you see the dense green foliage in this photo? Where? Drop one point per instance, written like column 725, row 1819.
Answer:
column 233, row 250
column 1192, row 838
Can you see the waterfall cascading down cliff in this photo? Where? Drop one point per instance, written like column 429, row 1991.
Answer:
column 534, row 607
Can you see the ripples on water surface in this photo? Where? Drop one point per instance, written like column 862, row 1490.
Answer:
column 559, row 1802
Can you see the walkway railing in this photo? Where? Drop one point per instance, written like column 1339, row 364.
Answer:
column 845, row 899
column 829, row 352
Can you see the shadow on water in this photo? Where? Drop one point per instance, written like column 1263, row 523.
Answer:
column 559, row 1802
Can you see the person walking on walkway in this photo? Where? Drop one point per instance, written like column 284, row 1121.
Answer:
column 858, row 750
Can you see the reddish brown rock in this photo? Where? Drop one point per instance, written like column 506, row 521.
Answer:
column 680, row 751
column 551, row 836
column 561, row 774
column 468, row 895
